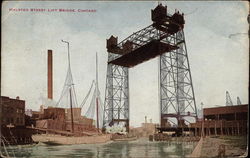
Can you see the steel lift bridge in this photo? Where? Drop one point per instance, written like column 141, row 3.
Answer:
column 164, row 38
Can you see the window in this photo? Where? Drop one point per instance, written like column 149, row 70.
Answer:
column 3, row 119
column 5, row 109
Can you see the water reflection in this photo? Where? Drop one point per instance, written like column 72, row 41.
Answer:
column 138, row 148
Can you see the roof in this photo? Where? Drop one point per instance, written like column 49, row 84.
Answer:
column 225, row 110
column 8, row 98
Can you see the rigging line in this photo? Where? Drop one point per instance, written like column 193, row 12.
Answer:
column 74, row 95
column 72, row 87
column 88, row 111
column 86, row 97
column 92, row 104
column 68, row 84
column 92, row 108
column 63, row 96
column 65, row 102
column 64, row 85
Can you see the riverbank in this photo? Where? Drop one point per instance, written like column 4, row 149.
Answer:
column 140, row 148
column 231, row 146
column 166, row 137
column 19, row 135
column 64, row 140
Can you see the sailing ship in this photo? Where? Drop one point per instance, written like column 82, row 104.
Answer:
column 68, row 96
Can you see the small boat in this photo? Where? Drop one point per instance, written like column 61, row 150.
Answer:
column 51, row 143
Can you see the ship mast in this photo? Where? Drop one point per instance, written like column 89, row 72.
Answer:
column 70, row 94
column 97, row 110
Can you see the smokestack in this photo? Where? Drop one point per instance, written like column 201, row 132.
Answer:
column 50, row 75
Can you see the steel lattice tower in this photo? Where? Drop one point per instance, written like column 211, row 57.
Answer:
column 177, row 98
column 164, row 38
column 116, row 106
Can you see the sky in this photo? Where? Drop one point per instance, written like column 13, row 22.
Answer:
column 218, row 60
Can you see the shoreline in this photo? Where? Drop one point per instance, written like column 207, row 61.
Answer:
column 234, row 146
column 110, row 148
column 211, row 146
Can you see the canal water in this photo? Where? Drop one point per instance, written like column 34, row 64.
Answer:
column 141, row 148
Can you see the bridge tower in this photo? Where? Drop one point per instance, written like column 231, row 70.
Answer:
column 116, row 105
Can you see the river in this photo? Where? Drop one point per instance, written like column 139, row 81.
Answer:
column 138, row 148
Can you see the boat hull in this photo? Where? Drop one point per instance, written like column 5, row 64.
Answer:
column 64, row 140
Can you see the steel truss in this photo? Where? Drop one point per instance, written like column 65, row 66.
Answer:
column 116, row 106
column 176, row 89
column 177, row 98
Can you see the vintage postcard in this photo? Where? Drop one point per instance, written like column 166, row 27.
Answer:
column 127, row 79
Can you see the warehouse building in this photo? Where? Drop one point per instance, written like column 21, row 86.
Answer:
column 12, row 111
column 223, row 120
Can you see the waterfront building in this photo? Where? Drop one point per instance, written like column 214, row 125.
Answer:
column 223, row 120
column 59, row 119
column 12, row 111
column 13, row 121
